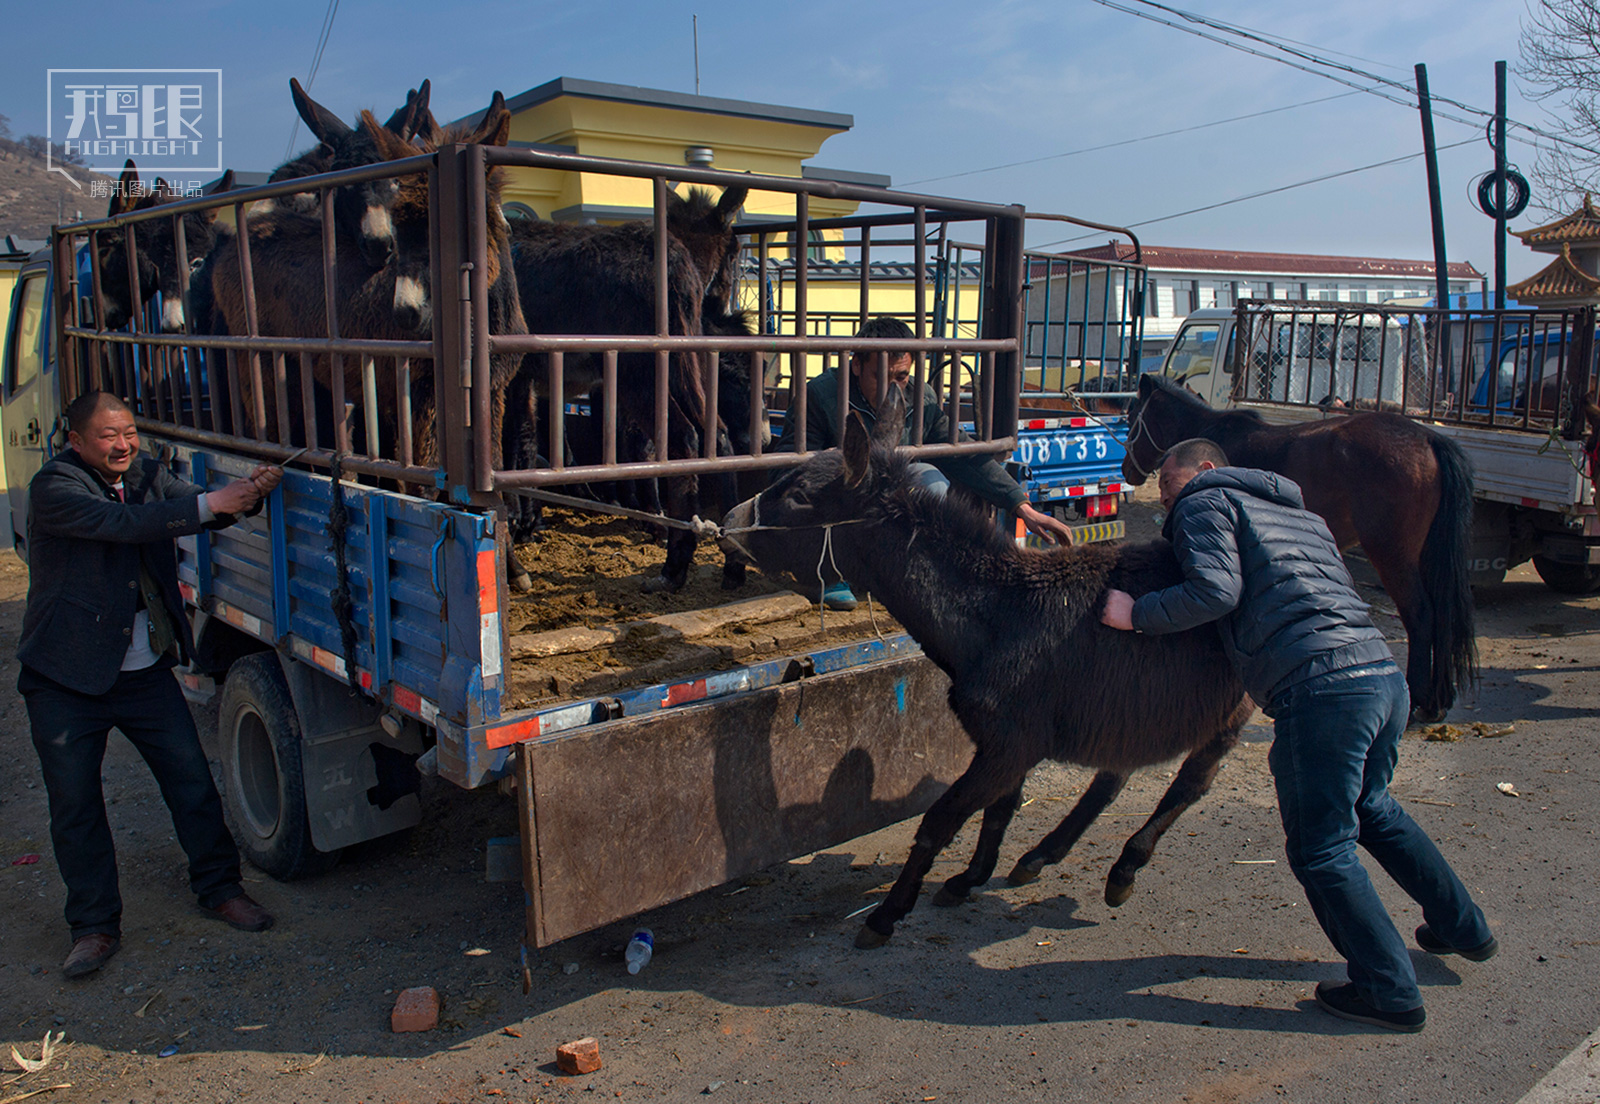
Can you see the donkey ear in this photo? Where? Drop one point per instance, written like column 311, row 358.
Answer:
column 323, row 123
column 223, row 185
column 891, row 427
column 857, row 451
column 495, row 129
column 423, row 124
column 728, row 206
column 1147, row 384
column 390, row 146
column 122, row 198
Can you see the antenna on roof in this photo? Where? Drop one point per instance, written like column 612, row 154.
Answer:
column 695, row 21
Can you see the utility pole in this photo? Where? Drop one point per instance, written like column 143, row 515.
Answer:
column 1499, row 185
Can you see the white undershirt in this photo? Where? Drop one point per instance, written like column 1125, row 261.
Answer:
column 140, row 654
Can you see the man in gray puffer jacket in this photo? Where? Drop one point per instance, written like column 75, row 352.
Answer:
column 1268, row 572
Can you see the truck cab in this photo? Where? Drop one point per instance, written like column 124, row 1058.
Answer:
column 28, row 393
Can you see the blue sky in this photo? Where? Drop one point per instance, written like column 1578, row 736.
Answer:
column 936, row 89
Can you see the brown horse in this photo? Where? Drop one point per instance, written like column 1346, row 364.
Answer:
column 1034, row 675
column 1381, row 480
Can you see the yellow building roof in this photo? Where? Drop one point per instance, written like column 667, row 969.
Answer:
column 598, row 119
column 1583, row 225
column 1560, row 279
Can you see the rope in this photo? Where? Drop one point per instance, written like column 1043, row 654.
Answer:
column 706, row 530
column 343, row 605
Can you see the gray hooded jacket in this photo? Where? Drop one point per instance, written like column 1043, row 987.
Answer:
column 1269, row 573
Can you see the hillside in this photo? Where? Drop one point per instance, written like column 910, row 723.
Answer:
column 33, row 199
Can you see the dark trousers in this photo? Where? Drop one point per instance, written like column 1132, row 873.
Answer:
column 1334, row 752
column 69, row 733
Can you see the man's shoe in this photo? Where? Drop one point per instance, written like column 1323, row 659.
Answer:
column 89, row 953
column 839, row 596
column 1343, row 1001
column 243, row 913
column 1436, row 946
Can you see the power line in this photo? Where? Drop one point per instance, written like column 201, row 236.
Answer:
column 1129, row 141
column 1265, row 192
column 316, row 64
column 1408, row 99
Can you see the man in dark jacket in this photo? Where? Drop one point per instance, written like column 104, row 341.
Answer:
column 982, row 475
column 1268, row 572
column 103, row 628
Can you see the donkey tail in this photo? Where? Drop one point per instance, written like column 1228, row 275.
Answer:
column 1444, row 576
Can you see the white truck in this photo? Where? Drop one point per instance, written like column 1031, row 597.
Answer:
column 1521, row 425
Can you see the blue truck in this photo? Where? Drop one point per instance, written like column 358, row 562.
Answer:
column 353, row 634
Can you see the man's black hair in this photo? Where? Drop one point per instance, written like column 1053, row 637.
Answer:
column 885, row 328
column 87, row 405
column 1190, row 454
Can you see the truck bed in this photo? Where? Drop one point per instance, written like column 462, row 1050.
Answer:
column 587, row 629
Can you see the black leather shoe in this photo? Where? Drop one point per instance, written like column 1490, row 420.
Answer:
column 1436, row 946
column 243, row 913
column 89, row 953
column 1343, row 1001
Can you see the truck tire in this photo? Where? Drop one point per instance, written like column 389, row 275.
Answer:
column 263, row 778
column 1568, row 578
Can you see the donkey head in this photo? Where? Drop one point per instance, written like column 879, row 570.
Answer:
column 160, row 269
column 706, row 231
column 361, row 210
column 408, row 226
column 784, row 524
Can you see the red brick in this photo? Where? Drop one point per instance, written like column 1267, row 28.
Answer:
column 415, row 1010
column 578, row 1056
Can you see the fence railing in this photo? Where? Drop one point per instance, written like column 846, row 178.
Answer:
column 1515, row 368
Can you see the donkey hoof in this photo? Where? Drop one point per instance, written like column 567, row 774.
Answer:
column 661, row 584
column 867, row 939
column 1423, row 715
column 1025, row 871
column 1118, row 892
column 949, row 898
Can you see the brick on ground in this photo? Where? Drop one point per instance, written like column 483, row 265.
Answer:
column 578, row 1056
column 415, row 1009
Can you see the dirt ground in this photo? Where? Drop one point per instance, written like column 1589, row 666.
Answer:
column 1196, row 990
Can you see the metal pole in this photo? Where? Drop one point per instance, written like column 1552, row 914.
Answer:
column 1500, row 185
column 1441, row 265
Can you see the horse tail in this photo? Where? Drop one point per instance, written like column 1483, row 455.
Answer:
column 1444, row 576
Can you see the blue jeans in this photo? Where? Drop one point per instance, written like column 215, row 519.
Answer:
column 1337, row 739
column 928, row 477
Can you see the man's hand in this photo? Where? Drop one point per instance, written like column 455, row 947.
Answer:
column 266, row 477
column 236, row 498
column 1044, row 526
column 1118, row 610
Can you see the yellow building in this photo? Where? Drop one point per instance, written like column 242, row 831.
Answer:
column 596, row 119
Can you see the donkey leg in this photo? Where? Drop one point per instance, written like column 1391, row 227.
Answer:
column 1102, row 791
column 996, row 819
column 986, row 780
column 1193, row 781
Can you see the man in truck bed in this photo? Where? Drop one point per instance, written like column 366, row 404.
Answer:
column 103, row 629
column 982, row 475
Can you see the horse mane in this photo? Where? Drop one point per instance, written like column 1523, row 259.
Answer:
column 1242, row 421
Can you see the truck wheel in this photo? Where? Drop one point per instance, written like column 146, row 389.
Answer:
column 1568, row 578
column 263, row 780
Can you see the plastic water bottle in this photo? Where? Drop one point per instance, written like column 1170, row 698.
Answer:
column 640, row 948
